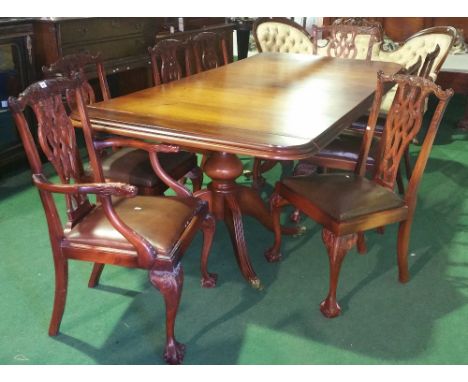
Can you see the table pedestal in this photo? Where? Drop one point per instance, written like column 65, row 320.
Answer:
column 229, row 201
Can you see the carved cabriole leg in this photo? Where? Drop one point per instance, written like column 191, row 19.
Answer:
column 361, row 243
column 170, row 285
column 273, row 254
column 233, row 220
column 258, row 181
column 208, row 279
column 61, row 286
column 337, row 247
column 95, row 275
column 404, row 230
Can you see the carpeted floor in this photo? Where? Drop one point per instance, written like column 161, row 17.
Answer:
column 383, row 322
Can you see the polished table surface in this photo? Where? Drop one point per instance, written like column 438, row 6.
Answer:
column 272, row 105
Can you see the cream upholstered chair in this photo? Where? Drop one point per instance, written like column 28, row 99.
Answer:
column 346, row 41
column 282, row 35
column 416, row 46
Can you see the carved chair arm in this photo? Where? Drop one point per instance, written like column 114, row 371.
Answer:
column 101, row 189
column 152, row 149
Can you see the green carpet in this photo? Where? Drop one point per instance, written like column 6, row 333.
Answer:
column 383, row 322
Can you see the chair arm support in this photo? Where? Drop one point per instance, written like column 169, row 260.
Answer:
column 152, row 149
column 101, row 189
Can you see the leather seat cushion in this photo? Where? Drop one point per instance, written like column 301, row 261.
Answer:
column 361, row 124
column 347, row 147
column 133, row 166
column 344, row 196
column 161, row 220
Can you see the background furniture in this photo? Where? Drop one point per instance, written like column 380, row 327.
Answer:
column 348, row 204
column 150, row 233
column 16, row 72
column 213, row 111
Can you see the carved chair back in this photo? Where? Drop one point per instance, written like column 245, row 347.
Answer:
column 346, row 41
column 165, row 61
column 209, row 50
column 57, row 140
column 67, row 65
column 422, row 44
column 403, row 122
column 280, row 34
column 361, row 22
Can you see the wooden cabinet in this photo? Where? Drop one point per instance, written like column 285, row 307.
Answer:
column 16, row 73
column 123, row 43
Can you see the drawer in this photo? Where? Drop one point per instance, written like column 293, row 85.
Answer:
column 79, row 30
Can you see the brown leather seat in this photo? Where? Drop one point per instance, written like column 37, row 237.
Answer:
column 160, row 220
column 344, row 196
column 346, row 148
column 132, row 166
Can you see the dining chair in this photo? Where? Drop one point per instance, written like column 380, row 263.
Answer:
column 209, row 51
column 346, row 41
column 170, row 60
column 280, row 34
column 128, row 165
column 347, row 204
column 147, row 232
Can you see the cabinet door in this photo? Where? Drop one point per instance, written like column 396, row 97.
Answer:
column 13, row 80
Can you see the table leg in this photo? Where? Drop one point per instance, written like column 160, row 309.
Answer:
column 228, row 201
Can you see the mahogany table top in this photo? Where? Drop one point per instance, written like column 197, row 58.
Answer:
column 272, row 105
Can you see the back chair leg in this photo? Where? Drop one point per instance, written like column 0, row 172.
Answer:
column 196, row 176
column 361, row 243
column 170, row 283
column 208, row 279
column 61, row 286
column 95, row 275
column 337, row 247
column 404, row 230
column 273, row 254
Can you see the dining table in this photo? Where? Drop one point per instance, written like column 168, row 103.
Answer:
column 274, row 106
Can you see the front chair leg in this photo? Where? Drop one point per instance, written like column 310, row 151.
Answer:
column 404, row 230
column 170, row 283
column 273, row 254
column 208, row 279
column 337, row 247
column 60, row 298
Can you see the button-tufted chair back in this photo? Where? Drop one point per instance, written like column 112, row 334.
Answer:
column 417, row 47
column 279, row 34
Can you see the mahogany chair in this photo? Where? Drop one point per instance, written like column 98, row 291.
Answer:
column 128, row 165
column 166, row 61
column 147, row 232
column 346, row 41
column 209, row 51
column 280, row 34
column 347, row 204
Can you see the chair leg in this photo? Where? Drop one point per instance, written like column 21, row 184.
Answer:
column 273, row 254
column 337, row 247
column 208, row 279
column 170, row 283
column 404, row 230
column 196, row 176
column 60, row 298
column 258, row 181
column 361, row 243
column 408, row 169
column 95, row 275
